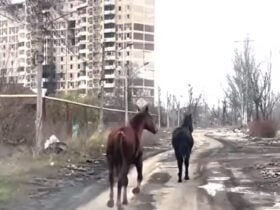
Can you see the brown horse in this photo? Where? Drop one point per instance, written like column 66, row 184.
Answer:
column 123, row 150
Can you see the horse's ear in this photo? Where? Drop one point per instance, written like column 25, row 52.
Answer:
column 138, row 109
column 146, row 108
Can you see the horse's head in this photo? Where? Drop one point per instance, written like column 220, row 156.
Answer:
column 187, row 122
column 147, row 119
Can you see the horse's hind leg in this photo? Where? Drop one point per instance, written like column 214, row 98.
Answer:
column 124, row 184
column 110, row 202
column 120, row 184
column 139, row 168
column 180, row 165
column 187, row 159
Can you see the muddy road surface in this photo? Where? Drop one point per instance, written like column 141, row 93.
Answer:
column 221, row 179
column 224, row 175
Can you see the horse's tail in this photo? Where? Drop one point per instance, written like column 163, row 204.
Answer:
column 119, row 151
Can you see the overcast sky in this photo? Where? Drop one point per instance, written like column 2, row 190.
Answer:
column 195, row 41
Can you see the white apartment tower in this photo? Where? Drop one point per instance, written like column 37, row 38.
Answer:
column 75, row 31
column 129, row 46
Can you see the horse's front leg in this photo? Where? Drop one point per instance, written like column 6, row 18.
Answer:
column 139, row 168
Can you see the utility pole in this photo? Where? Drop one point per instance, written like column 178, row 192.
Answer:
column 39, row 59
column 159, row 108
column 101, row 111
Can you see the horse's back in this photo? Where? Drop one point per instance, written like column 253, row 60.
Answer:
column 182, row 141
column 119, row 144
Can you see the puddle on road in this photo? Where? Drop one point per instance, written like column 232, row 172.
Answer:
column 160, row 178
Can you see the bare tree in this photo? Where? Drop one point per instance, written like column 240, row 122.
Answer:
column 249, row 88
column 239, row 90
column 268, row 98
column 193, row 103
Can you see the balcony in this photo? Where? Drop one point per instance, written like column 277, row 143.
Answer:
column 109, row 85
column 109, row 76
column 82, row 86
column 108, row 21
column 109, row 2
column 111, row 39
column 81, row 6
column 110, row 30
column 109, row 12
column 83, row 78
column 83, row 51
column 110, row 57
column 82, row 33
column 109, row 67
column 82, row 24
column 108, row 49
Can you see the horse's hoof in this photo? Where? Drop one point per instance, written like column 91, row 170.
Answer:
column 187, row 178
column 125, row 202
column 136, row 190
column 180, row 181
column 110, row 203
column 120, row 207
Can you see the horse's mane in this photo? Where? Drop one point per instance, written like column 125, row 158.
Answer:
column 137, row 119
column 187, row 123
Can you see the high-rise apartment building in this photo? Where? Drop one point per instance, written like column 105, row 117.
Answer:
column 75, row 33
column 129, row 41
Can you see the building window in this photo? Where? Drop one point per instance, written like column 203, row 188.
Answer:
column 78, row 66
column 138, row 36
column 61, row 67
column 127, row 53
column 71, row 66
column 71, row 58
column 120, row 8
column 128, row 16
column 61, row 58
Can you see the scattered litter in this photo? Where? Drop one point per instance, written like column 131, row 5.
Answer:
column 54, row 145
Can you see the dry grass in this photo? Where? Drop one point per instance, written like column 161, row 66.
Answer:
column 93, row 146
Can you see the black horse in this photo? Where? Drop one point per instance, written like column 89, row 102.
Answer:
column 182, row 142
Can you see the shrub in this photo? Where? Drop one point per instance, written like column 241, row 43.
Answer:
column 263, row 128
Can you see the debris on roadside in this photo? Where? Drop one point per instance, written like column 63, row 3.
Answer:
column 54, row 145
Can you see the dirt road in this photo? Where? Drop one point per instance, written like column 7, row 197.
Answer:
column 225, row 175
column 217, row 182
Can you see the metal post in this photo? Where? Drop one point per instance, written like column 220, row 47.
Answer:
column 167, row 111
column 178, row 117
column 66, row 64
column 126, row 92
column 159, row 108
